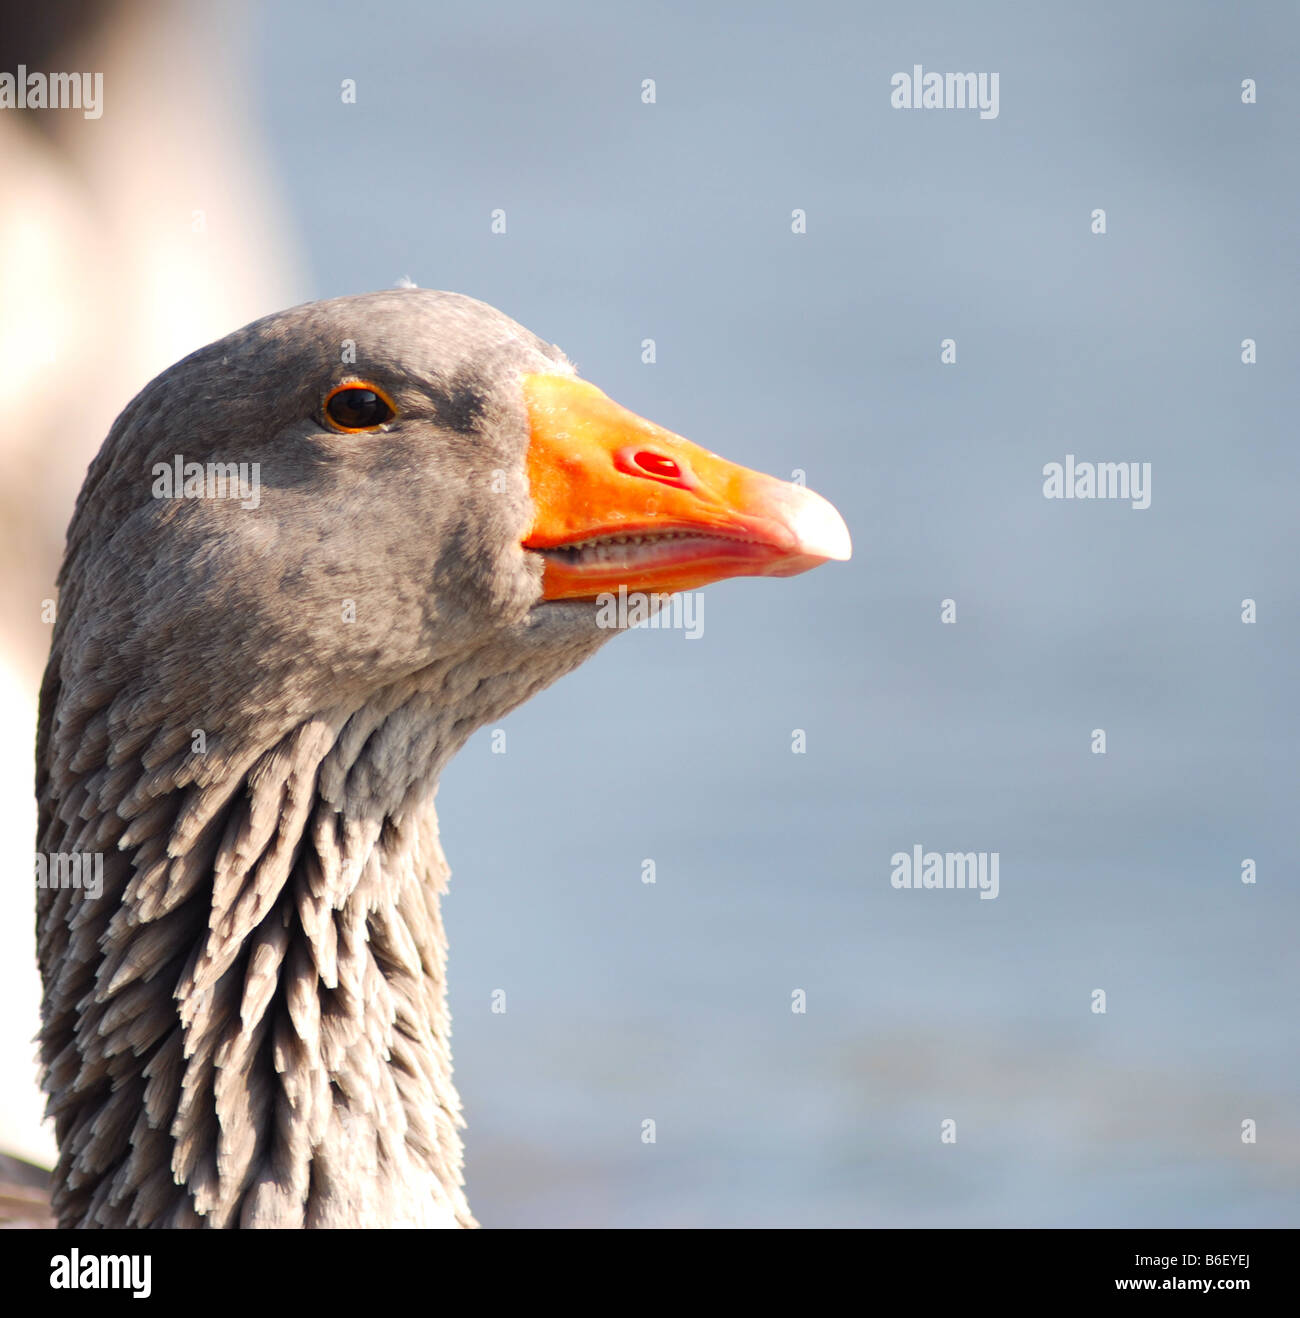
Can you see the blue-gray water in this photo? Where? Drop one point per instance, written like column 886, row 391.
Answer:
column 821, row 351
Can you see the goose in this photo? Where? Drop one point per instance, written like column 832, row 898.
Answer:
column 251, row 692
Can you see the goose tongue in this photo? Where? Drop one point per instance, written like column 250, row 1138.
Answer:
column 620, row 501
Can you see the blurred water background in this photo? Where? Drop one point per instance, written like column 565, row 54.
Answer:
column 817, row 352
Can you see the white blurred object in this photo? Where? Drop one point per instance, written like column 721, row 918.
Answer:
column 125, row 242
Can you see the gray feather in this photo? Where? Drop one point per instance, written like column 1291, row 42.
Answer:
column 249, row 1026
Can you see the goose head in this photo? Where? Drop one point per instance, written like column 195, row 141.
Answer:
column 309, row 561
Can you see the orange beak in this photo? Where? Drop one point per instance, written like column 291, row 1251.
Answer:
column 622, row 502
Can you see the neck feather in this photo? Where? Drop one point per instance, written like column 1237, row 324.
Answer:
column 248, row 1025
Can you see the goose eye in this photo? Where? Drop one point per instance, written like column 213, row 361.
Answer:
column 358, row 407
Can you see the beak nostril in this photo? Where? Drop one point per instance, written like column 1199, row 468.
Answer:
column 655, row 464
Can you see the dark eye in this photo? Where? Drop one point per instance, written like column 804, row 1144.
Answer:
column 358, row 407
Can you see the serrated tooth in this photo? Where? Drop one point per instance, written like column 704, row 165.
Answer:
column 605, row 548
